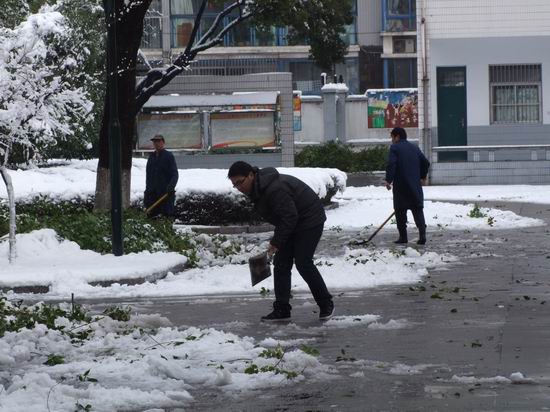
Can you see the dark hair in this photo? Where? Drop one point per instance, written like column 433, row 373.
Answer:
column 158, row 137
column 399, row 131
column 239, row 168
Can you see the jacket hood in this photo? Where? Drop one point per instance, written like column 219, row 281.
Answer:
column 264, row 177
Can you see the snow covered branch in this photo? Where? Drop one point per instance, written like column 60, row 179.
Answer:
column 39, row 99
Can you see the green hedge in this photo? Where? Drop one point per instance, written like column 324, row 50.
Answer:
column 77, row 221
column 342, row 157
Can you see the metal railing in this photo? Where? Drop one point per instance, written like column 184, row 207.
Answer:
column 491, row 149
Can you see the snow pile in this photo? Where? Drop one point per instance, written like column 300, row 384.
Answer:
column 471, row 380
column 354, row 214
column 43, row 259
column 138, row 365
column 515, row 378
column 335, row 86
column 357, row 269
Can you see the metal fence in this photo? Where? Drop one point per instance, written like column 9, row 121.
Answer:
column 487, row 152
column 231, row 67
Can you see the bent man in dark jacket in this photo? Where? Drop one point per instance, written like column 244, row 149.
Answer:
column 161, row 177
column 407, row 169
column 298, row 216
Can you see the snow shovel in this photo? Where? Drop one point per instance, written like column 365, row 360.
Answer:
column 157, row 202
column 364, row 242
column 259, row 268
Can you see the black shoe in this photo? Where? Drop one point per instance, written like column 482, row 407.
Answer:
column 326, row 311
column 400, row 240
column 277, row 315
column 421, row 240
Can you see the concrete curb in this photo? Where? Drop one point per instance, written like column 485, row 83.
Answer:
column 39, row 289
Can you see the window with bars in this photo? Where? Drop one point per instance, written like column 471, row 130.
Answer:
column 515, row 93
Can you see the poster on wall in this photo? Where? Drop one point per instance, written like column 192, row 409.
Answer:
column 297, row 111
column 243, row 129
column 180, row 130
column 389, row 108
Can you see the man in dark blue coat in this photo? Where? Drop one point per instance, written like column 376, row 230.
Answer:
column 298, row 216
column 407, row 170
column 161, row 178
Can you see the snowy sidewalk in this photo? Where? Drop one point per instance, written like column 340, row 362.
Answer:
column 473, row 336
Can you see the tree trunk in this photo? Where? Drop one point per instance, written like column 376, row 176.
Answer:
column 11, row 202
column 103, row 180
column 129, row 32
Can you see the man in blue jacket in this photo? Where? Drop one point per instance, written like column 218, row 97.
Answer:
column 407, row 170
column 298, row 216
column 161, row 178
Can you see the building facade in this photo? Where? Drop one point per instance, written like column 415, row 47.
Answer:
column 398, row 33
column 484, row 89
column 245, row 49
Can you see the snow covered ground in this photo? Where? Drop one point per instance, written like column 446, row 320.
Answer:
column 45, row 259
column 148, row 364
column 143, row 364
column 77, row 178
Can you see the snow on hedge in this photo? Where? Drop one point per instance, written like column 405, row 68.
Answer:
column 77, row 179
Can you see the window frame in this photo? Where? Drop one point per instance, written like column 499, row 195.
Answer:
column 515, row 84
column 408, row 18
column 228, row 38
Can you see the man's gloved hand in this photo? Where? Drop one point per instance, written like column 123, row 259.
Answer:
column 170, row 189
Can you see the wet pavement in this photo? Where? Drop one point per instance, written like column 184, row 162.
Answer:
column 487, row 315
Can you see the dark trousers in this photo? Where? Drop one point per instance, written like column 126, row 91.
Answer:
column 299, row 250
column 401, row 220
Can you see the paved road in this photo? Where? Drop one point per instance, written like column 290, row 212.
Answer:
column 493, row 319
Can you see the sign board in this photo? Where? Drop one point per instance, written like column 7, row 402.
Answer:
column 389, row 108
column 180, row 130
column 243, row 129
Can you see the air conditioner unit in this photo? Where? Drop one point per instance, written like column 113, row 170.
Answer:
column 410, row 45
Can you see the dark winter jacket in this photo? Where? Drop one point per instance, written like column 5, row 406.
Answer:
column 406, row 166
column 286, row 202
column 161, row 177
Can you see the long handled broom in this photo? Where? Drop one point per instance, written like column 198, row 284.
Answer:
column 364, row 242
column 157, row 202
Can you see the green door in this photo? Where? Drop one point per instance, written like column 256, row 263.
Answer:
column 451, row 111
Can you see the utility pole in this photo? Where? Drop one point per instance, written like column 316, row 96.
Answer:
column 114, row 129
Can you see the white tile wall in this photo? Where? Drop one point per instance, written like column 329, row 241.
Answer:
column 486, row 18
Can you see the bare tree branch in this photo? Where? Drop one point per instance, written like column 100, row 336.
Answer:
column 196, row 27
column 156, row 79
